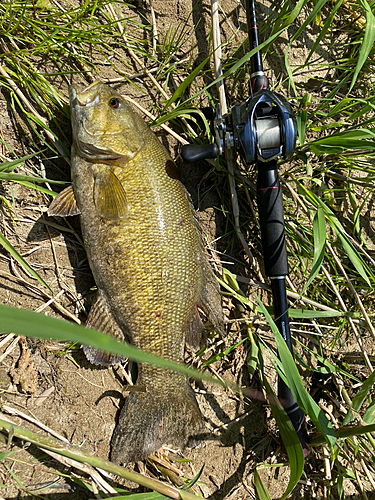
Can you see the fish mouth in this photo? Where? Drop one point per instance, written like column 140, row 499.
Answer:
column 90, row 95
column 87, row 97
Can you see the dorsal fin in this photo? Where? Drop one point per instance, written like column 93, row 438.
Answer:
column 65, row 204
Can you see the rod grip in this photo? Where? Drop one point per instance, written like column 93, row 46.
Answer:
column 271, row 220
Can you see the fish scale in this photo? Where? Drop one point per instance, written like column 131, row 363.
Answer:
column 147, row 260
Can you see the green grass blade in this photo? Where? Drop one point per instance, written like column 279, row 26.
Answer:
column 5, row 176
column 302, row 118
column 352, row 254
column 363, row 392
column 325, row 28
column 357, row 209
column 319, row 229
column 362, row 139
column 237, row 65
column 260, row 488
column 9, row 166
column 311, row 314
column 37, row 188
column 253, row 354
column 363, row 270
column 220, row 355
column 318, row 5
column 344, row 432
column 152, row 495
column 360, row 397
column 234, row 290
column 369, row 416
column 290, row 18
column 326, row 367
column 285, row 19
column 195, row 479
column 290, row 440
column 367, row 42
column 302, row 397
column 13, row 252
column 183, row 86
column 31, row 324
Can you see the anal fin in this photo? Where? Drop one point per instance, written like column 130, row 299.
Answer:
column 100, row 318
column 211, row 301
column 196, row 333
column 211, row 304
column 65, row 204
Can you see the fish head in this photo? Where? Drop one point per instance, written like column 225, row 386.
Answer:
column 105, row 127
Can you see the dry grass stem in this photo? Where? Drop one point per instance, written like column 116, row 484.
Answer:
column 152, row 117
column 50, row 301
column 337, row 293
column 216, row 41
column 42, row 293
column 87, row 469
column 114, row 15
column 133, row 55
column 154, row 29
column 6, row 339
column 353, row 290
column 13, row 411
column 76, row 453
column 9, row 349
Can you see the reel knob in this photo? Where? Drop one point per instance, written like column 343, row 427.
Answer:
column 191, row 153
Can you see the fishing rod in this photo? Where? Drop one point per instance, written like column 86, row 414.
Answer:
column 262, row 129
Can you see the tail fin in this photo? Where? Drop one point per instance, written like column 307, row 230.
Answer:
column 150, row 420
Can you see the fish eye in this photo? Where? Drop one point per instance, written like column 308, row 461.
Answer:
column 114, row 103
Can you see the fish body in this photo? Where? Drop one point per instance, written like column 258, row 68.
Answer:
column 147, row 260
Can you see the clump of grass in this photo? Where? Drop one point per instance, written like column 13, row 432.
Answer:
column 328, row 187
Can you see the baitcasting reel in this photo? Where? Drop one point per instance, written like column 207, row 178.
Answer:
column 260, row 129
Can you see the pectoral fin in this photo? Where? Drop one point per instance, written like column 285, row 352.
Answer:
column 100, row 318
column 65, row 204
column 109, row 196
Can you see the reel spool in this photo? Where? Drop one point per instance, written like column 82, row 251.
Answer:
column 270, row 128
column 268, row 135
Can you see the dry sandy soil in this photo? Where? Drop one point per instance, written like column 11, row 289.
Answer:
column 56, row 385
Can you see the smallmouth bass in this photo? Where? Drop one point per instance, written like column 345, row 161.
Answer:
column 147, row 260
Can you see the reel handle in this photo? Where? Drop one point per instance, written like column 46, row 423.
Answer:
column 191, row 153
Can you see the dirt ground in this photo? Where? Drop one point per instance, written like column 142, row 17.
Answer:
column 55, row 384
